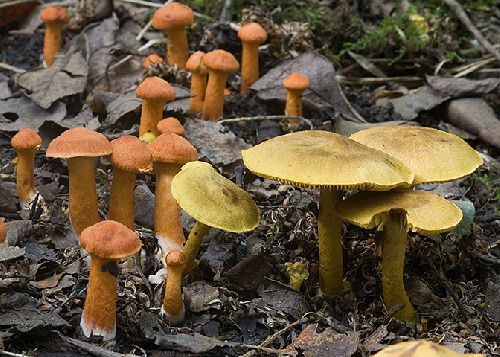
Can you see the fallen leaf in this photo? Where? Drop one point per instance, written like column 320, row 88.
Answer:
column 118, row 108
column 250, row 273
column 411, row 104
column 348, row 127
column 8, row 252
column 283, row 298
column 461, row 87
column 492, row 299
column 199, row 296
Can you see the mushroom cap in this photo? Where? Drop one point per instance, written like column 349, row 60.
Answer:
column 131, row 154
column 195, row 61
column 426, row 213
column 433, row 155
column 420, row 349
column 173, row 15
column 318, row 159
column 3, row 230
column 173, row 149
column 214, row 200
column 296, row 81
column 252, row 32
column 26, row 139
column 221, row 61
column 155, row 88
column 170, row 125
column 152, row 59
column 54, row 14
column 110, row 240
column 175, row 258
column 79, row 142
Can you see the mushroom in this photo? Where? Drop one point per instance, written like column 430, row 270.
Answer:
column 3, row 230
column 219, row 64
column 130, row 156
column 295, row 84
column 25, row 142
column 170, row 125
column 395, row 213
column 107, row 242
column 151, row 60
column 154, row 92
column 169, row 152
column 213, row 201
column 80, row 146
column 252, row 35
column 420, row 348
column 329, row 162
column 198, row 82
column 173, row 20
column 173, row 306
column 54, row 18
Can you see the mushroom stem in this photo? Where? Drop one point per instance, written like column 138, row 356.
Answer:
column 177, row 47
column 198, row 88
column 152, row 112
column 173, row 305
column 167, row 222
column 330, row 243
column 99, row 312
column 392, row 247
column 52, row 41
column 121, row 201
column 83, row 209
column 193, row 244
column 294, row 104
column 249, row 65
column 25, row 175
column 213, row 108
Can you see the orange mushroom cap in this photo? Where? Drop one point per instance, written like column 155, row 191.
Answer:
column 152, row 59
column 155, row 88
column 170, row 125
column 173, row 15
column 3, row 231
column 79, row 142
column 195, row 61
column 222, row 61
column 252, row 32
column 54, row 14
column 296, row 81
column 26, row 139
column 175, row 258
column 171, row 148
column 131, row 154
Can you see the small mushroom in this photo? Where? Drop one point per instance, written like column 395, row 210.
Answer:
column 3, row 230
column 169, row 153
column 173, row 306
column 395, row 213
column 151, row 60
column 107, row 242
column 173, row 20
column 80, row 146
column 329, row 162
column 170, row 125
column 420, row 348
column 54, row 18
column 219, row 64
column 213, row 201
column 252, row 35
column 25, row 142
column 198, row 82
column 154, row 92
column 295, row 84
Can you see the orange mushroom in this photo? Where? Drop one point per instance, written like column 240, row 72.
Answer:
column 295, row 84
column 173, row 306
column 152, row 60
column 54, row 18
column 170, row 125
column 252, row 35
column 3, row 230
column 198, row 81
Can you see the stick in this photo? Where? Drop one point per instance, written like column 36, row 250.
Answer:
column 11, row 68
column 375, row 80
column 261, row 117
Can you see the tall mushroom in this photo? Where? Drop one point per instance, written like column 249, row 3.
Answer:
column 213, row 201
column 154, row 92
column 252, row 35
column 170, row 125
column 173, row 307
column 198, row 82
column 173, row 20
column 3, row 230
column 54, row 18
column 107, row 242
column 25, row 142
column 169, row 153
column 331, row 163
column 219, row 64
column 80, row 146
column 421, row 348
column 295, row 84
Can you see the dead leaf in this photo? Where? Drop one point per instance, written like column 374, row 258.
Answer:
column 8, row 252
column 492, row 299
column 283, row 298
column 461, row 87
column 411, row 104
column 49, row 282
column 348, row 127
column 200, row 295
column 250, row 273
column 118, row 108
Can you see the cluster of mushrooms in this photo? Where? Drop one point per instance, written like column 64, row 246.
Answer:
column 377, row 166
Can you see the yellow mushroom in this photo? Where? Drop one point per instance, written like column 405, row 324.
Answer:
column 420, row 349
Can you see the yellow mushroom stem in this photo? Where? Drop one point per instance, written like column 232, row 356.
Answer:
column 198, row 88
column 177, row 47
column 294, row 105
column 121, row 201
column 330, row 243
column 83, row 209
column 173, row 305
column 152, row 113
column 392, row 247
column 193, row 244
column 99, row 311
column 249, row 65
column 25, row 175
column 213, row 108
column 52, row 41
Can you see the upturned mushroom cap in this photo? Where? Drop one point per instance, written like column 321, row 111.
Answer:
column 318, row 159
column 54, row 14
column 433, row 155
column 296, row 81
column 26, row 139
column 110, row 240
column 155, row 88
column 426, row 213
column 131, row 154
column 173, row 15
column 152, row 59
column 79, row 142
column 252, row 32
column 420, row 349
column 222, row 61
column 214, row 200
column 173, row 149
column 195, row 61
column 3, row 230
column 170, row 125
column 175, row 258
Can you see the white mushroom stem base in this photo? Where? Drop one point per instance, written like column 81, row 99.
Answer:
column 193, row 244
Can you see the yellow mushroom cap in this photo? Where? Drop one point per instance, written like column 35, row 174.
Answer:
column 420, row 349
column 433, row 155
column 214, row 200
column 318, row 158
column 173, row 15
column 131, row 154
column 426, row 213
column 252, row 32
column 79, row 142
column 26, row 139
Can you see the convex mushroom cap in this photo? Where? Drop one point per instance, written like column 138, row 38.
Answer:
column 296, row 81
column 222, row 61
column 173, row 15
column 433, row 155
column 252, row 32
column 131, row 154
column 54, row 14
column 152, row 59
column 172, row 148
column 214, row 200
column 26, row 139
column 155, row 88
column 420, row 349
column 79, row 142
column 195, row 62
column 170, row 125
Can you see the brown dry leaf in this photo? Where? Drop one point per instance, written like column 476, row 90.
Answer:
column 47, row 283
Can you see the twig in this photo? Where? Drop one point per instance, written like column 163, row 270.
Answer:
column 471, row 67
column 89, row 348
column 459, row 12
column 6, row 353
column 11, row 68
column 141, row 2
column 375, row 80
column 225, row 11
column 261, row 117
